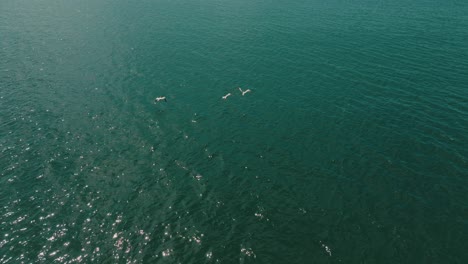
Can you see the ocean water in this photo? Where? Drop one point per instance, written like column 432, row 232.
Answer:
column 352, row 146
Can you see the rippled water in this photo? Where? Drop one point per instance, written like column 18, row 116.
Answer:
column 351, row 147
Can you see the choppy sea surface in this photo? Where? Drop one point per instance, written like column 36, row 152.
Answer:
column 352, row 146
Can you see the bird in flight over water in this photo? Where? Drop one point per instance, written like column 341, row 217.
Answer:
column 161, row 98
column 244, row 92
column 226, row 96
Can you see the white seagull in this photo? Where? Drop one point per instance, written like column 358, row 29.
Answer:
column 244, row 92
column 226, row 96
column 161, row 98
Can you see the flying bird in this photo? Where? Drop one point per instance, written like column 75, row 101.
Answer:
column 226, row 96
column 161, row 98
column 244, row 92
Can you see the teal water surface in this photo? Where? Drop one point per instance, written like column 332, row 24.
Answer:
column 352, row 146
